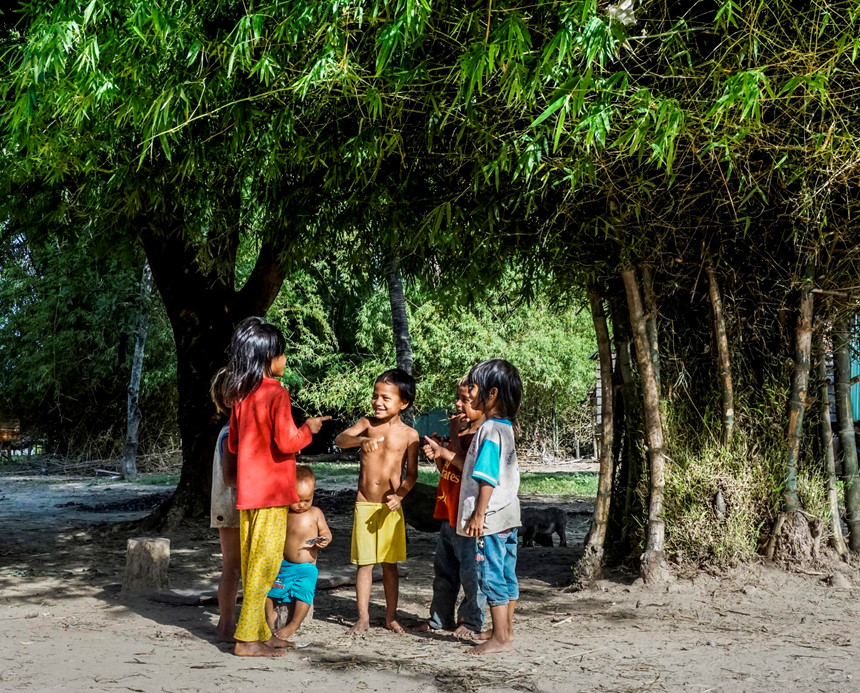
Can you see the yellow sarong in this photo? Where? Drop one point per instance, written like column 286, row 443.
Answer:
column 261, row 537
column 378, row 534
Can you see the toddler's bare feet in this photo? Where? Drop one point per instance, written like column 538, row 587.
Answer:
column 279, row 643
column 422, row 627
column 395, row 627
column 491, row 646
column 256, row 649
column 362, row 625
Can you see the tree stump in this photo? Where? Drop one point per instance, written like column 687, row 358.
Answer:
column 146, row 563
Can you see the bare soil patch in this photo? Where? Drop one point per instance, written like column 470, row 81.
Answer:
column 65, row 627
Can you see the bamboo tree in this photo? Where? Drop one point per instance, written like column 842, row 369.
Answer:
column 726, row 385
column 845, row 419
column 654, row 567
column 129, row 456
column 651, row 313
column 627, row 419
column 827, row 447
column 799, row 386
column 590, row 565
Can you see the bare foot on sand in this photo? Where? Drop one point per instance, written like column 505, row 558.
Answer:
column 362, row 625
column 491, row 646
column 422, row 627
column 256, row 649
column 395, row 627
column 279, row 643
column 469, row 634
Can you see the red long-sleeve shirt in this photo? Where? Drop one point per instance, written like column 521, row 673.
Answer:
column 265, row 440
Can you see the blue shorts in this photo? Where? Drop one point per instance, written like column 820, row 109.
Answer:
column 295, row 581
column 497, row 567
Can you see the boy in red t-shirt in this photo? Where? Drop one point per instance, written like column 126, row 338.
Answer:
column 454, row 563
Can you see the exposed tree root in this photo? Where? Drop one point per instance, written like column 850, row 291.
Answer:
column 796, row 539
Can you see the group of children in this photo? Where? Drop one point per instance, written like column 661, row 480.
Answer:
column 270, row 531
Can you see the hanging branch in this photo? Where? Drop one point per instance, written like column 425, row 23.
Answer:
column 591, row 563
column 726, row 386
column 799, row 385
column 654, row 568
column 845, row 419
column 827, row 446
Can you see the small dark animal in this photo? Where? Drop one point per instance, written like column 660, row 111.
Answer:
column 539, row 524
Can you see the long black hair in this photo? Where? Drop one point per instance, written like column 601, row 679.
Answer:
column 503, row 376
column 252, row 347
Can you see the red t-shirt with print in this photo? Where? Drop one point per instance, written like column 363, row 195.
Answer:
column 448, row 493
column 265, row 440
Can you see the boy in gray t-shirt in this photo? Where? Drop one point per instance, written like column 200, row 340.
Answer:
column 489, row 508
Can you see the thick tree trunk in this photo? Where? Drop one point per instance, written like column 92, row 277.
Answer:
column 654, row 567
column 399, row 323
column 399, row 318
column 590, row 565
column 651, row 320
column 799, row 387
column 203, row 309
column 727, row 394
column 129, row 455
column 845, row 419
column 827, row 447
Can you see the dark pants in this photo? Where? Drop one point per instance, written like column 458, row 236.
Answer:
column 455, row 566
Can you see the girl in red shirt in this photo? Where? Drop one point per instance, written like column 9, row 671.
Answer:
column 265, row 440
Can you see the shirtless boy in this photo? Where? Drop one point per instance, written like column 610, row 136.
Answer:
column 296, row 583
column 379, row 530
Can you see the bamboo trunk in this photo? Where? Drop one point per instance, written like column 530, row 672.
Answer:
column 827, row 446
column 654, row 568
column 726, row 386
column 799, row 387
column 845, row 419
column 129, row 455
column 651, row 321
column 627, row 419
column 590, row 565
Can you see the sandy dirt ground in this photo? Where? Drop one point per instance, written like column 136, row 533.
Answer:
column 65, row 627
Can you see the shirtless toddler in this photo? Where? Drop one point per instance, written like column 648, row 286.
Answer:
column 296, row 583
column 379, row 530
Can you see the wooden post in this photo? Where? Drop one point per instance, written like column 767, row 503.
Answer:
column 146, row 562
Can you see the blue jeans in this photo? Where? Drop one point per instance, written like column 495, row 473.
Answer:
column 454, row 566
column 497, row 567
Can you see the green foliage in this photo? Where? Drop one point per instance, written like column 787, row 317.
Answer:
column 550, row 346
column 66, row 342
